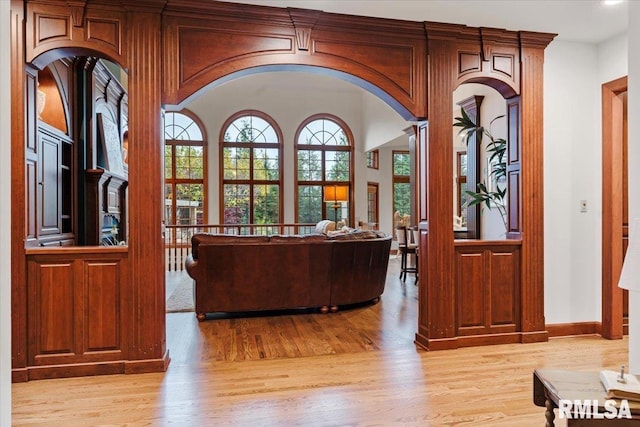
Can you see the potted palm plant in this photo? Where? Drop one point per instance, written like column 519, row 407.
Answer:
column 493, row 196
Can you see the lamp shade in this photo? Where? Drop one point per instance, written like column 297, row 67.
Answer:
column 336, row 193
column 630, row 274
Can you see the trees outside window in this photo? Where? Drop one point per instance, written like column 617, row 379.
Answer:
column 324, row 153
column 185, row 169
column 251, row 186
column 401, row 183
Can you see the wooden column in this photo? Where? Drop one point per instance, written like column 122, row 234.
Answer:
column 19, row 101
column 146, row 246
column 436, row 323
column 531, row 63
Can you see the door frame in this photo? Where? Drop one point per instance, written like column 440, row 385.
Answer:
column 612, row 213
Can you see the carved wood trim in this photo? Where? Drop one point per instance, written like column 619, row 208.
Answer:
column 77, row 11
column 76, row 27
column 393, row 67
column 303, row 22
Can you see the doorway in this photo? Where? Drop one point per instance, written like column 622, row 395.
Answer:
column 614, row 206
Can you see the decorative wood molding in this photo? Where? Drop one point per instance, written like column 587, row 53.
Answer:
column 75, row 26
column 303, row 22
column 349, row 47
column 77, row 11
column 485, row 55
column 575, row 328
column 533, row 40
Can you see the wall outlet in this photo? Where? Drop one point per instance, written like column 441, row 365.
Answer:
column 583, row 205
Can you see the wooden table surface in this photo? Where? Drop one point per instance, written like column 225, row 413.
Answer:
column 551, row 386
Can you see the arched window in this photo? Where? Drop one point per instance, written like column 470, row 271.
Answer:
column 251, row 164
column 185, row 166
column 324, row 169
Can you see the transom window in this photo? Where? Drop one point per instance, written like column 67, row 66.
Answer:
column 324, row 153
column 250, row 160
column 185, row 169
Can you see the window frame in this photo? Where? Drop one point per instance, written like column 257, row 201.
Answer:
column 398, row 179
column 373, row 157
column 174, row 181
column 324, row 148
column 251, row 146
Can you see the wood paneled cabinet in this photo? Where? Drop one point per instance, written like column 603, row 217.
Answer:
column 54, row 188
column 76, row 311
column 487, row 277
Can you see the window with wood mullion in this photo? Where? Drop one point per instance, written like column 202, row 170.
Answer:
column 185, row 169
column 251, row 163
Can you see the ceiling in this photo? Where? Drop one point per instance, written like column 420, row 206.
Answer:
column 589, row 21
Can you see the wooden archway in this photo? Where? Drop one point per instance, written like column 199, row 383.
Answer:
column 174, row 48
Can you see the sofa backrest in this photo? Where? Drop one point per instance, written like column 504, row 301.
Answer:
column 222, row 239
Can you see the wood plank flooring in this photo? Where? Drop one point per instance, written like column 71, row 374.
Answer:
column 354, row 368
column 390, row 324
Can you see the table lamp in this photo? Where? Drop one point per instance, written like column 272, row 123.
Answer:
column 336, row 194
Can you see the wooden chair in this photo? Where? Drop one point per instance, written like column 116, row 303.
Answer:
column 406, row 247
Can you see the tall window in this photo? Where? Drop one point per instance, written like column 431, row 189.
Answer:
column 185, row 167
column 324, row 159
column 251, row 153
column 372, row 204
column 401, row 186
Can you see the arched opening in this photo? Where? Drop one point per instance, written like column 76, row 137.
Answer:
column 480, row 157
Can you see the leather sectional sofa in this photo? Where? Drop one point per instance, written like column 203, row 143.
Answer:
column 255, row 273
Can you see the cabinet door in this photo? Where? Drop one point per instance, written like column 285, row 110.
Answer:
column 49, row 183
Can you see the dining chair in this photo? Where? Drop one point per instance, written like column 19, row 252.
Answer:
column 406, row 246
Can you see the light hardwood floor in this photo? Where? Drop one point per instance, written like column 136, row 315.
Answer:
column 352, row 368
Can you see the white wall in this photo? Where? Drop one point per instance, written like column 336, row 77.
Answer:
column 572, row 173
column 289, row 98
column 613, row 58
column 573, row 75
column 381, row 123
column 5, row 215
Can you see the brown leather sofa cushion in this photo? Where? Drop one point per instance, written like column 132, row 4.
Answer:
column 206, row 238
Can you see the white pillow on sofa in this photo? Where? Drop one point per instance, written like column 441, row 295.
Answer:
column 325, row 226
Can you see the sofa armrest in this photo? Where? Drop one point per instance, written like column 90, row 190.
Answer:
column 191, row 266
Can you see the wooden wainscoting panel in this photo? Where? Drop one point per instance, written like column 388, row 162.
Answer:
column 487, row 291
column 102, row 308
column 105, row 31
column 77, row 311
column 51, row 320
column 470, row 292
column 504, row 292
